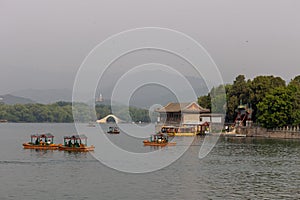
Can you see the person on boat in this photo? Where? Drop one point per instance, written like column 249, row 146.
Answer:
column 76, row 144
column 48, row 142
column 69, row 143
column 227, row 128
column 37, row 142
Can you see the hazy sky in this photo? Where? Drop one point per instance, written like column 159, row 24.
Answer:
column 43, row 43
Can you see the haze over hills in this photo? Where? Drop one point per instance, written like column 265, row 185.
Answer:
column 149, row 95
column 45, row 96
column 11, row 99
column 144, row 97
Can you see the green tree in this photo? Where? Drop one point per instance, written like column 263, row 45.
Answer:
column 102, row 110
column 294, row 87
column 23, row 113
column 218, row 99
column 260, row 86
column 215, row 100
column 3, row 111
column 239, row 91
column 205, row 101
column 275, row 109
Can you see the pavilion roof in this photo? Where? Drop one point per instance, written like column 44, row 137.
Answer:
column 192, row 107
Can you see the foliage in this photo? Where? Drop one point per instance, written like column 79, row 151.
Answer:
column 205, row 101
column 214, row 101
column 138, row 114
column 218, row 99
column 62, row 112
column 294, row 87
column 276, row 108
column 36, row 113
column 260, row 86
column 273, row 103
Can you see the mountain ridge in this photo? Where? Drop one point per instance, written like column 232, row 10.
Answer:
column 12, row 99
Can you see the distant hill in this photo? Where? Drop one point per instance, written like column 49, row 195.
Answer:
column 45, row 96
column 144, row 98
column 11, row 99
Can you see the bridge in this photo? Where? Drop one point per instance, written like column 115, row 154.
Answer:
column 104, row 119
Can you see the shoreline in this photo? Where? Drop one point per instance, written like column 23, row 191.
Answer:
column 265, row 133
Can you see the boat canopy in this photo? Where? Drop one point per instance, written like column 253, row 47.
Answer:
column 113, row 128
column 43, row 135
column 37, row 139
column 159, row 135
column 75, row 137
column 75, row 140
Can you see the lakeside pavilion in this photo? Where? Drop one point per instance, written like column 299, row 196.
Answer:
column 187, row 114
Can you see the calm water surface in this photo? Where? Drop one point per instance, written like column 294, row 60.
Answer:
column 237, row 168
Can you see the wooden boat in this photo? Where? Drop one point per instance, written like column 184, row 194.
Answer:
column 113, row 130
column 41, row 141
column 179, row 131
column 77, row 143
column 159, row 140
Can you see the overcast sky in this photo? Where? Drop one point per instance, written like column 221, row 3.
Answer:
column 43, row 43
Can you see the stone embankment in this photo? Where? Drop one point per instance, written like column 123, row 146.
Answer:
column 284, row 133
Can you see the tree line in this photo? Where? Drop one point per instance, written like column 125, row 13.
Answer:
column 61, row 112
column 275, row 103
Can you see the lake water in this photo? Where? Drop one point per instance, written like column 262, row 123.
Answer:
column 237, row 168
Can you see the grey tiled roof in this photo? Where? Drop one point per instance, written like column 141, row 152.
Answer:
column 183, row 107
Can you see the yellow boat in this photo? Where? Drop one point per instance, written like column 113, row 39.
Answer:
column 179, row 131
column 159, row 140
column 41, row 141
column 41, row 147
column 75, row 143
